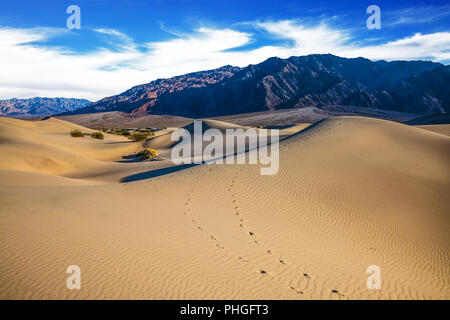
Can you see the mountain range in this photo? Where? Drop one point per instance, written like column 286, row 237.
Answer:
column 417, row 87
column 37, row 107
column 317, row 80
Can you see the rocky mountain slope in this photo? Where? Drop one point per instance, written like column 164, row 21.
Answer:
column 36, row 107
column 417, row 87
column 144, row 97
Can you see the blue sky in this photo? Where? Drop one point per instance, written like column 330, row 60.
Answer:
column 129, row 42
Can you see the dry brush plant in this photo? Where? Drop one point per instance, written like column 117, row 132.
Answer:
column 76, row 133
column 97, row 135
column 148, row 153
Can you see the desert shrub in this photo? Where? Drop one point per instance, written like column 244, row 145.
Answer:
column 97, row 135
column 147, row 131
column 121, row 132
column 138, row 136
column 145, row 154
column 132, row 134
column 76, row 133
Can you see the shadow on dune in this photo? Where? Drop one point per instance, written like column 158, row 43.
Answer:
column 119, row 142
column 129, row 159
column 164, row 171
column 156, row 173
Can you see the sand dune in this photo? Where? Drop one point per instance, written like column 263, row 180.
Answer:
column 351, row 192
column 438, row 128
column 44, row 150
column 164, row 142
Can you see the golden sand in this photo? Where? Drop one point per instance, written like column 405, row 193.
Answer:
column 351, row 192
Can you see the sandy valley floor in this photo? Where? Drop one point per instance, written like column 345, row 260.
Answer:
column 351, row 192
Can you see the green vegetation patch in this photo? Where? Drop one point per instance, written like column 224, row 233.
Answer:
column 76, row 133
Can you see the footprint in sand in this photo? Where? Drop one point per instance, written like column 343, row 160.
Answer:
column 298, row 291
column 264, row 272
column 337, row 292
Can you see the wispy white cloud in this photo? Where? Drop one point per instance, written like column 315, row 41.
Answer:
column 306, row 39
column 117, row 39
column 435, row 46
column 416, row 15
column 31, row 69
column 324, row 39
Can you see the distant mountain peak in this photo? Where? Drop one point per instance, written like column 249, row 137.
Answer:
column 296, row 82
column 39, row 106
